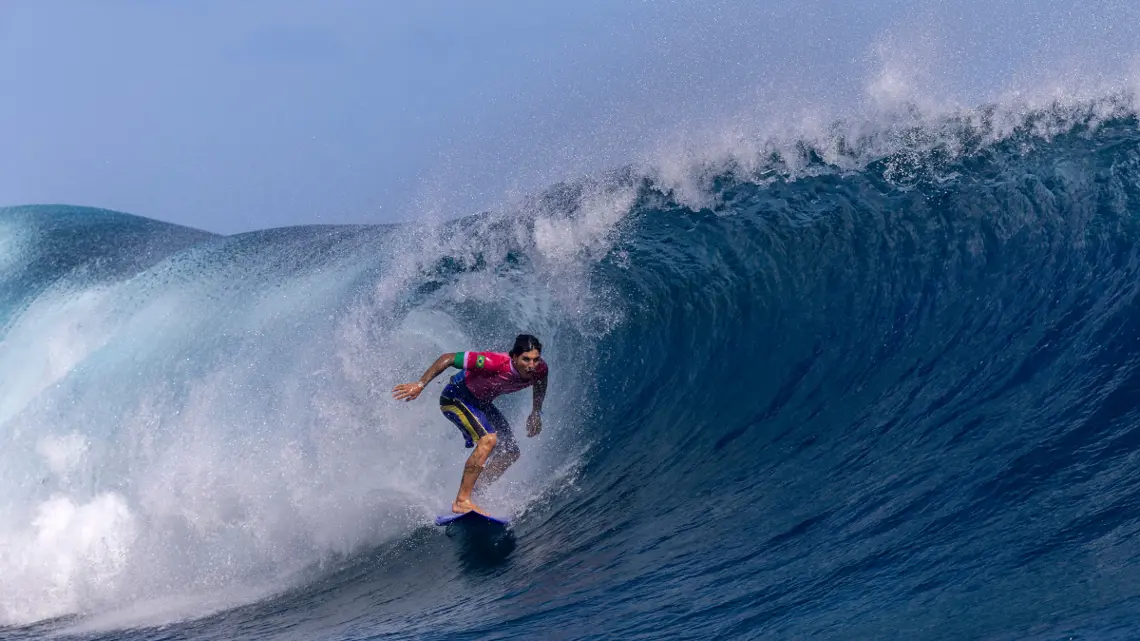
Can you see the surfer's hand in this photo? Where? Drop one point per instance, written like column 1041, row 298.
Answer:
column 407, row 391
column 533, row 424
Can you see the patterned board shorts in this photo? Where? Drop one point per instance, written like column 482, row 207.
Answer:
column 474, row 419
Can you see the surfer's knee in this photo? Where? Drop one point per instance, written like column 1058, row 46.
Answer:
column 487, row 442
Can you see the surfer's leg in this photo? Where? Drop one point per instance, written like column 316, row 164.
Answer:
column 472, row 421
column 471, row 471
column 507, row 451
column 498, row 466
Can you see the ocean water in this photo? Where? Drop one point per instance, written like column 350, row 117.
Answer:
column 878, row 382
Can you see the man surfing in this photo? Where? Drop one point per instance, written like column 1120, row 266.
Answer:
column 466, row 402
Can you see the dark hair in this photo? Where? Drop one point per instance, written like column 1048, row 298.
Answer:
column 524, row 343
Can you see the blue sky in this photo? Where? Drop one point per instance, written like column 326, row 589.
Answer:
column 232, row 116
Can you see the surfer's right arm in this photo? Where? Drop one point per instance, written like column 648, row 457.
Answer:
column 409, row 391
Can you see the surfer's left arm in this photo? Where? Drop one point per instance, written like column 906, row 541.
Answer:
column 534, row 421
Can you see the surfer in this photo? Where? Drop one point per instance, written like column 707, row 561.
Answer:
column 467, row 402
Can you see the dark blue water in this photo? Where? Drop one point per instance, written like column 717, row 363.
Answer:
column 900, row 400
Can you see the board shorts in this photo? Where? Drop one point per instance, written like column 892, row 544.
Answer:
column 474, row 418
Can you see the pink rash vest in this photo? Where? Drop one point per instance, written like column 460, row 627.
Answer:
column 491, row 374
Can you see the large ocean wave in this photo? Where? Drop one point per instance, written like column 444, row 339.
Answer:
column 874, row 382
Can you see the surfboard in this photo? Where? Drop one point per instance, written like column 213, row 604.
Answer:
column 471, row 518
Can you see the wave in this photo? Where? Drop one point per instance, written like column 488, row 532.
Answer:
column 810, row 388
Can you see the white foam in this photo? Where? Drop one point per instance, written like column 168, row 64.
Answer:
column 68, row 557
column 62, row 453
column 588, row 230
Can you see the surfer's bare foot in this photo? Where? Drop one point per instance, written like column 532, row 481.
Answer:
column 460, row 507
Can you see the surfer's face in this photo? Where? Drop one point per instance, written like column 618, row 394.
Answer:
column 526, row 364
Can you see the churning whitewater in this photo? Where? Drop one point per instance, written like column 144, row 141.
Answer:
column 878, row 383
